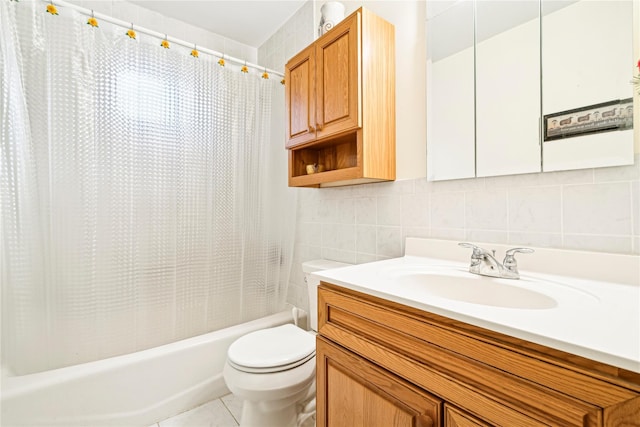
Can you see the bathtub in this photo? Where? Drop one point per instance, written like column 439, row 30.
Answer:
column 136, row 389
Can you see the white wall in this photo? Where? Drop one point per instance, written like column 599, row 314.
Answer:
column 411, row 64
column 140, row 16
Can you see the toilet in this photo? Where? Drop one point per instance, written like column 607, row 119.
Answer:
column 273, row 370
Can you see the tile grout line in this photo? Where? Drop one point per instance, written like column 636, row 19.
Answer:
column 229, row 411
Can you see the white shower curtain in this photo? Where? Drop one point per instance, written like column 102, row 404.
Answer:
column 142, row 199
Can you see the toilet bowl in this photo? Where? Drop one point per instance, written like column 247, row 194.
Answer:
column 273, row 370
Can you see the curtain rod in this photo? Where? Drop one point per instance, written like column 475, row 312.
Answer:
column 161, row 36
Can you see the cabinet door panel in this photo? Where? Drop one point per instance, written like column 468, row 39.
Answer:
column 299, row 92
column 353, row 392
column 335, row 72
column 354, row 404
column 338, row 75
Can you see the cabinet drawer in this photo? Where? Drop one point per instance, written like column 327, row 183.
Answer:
column 490, row 381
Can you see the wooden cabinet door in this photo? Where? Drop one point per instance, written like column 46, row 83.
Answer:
column 355, row 393
column 338, row 91
column 454, row 417
column 300, row 98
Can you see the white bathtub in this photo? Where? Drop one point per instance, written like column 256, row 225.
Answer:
column 136, row 389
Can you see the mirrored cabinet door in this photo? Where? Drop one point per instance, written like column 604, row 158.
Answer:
column 587, row 64
column 507, row 87
column 450, row 88
column 528, row 86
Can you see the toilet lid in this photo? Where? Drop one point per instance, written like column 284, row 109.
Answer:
column 283, row 346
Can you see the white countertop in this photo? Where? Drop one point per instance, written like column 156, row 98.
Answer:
column 596, row 319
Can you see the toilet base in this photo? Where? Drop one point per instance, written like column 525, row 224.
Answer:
column 275, row 413
column 255, row 414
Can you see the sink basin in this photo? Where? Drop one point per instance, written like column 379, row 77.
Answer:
column 456, row 284
column 476, row 289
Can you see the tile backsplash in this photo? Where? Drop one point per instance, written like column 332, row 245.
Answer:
column 590, row 209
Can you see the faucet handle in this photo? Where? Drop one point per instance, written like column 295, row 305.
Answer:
column 513, row 251
column 510, row 262
column 477, row 250
column 478, row 253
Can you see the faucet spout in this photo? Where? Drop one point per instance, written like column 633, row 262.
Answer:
column 491, row 262
column 485, row 263
column 488, row 266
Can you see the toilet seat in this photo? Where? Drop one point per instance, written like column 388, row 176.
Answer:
column 272, row 350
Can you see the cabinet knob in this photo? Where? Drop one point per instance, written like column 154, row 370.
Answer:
column 318, row 126
column 311, row 129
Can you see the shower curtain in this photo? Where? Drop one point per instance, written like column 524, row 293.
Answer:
column 142, row 198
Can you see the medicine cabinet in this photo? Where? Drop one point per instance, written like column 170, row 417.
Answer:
column 520, row 87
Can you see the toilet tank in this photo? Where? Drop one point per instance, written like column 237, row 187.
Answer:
column 309, row 267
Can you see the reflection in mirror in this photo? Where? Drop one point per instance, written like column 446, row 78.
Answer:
column 450, row 88
column 587, row 61
column 507, row 87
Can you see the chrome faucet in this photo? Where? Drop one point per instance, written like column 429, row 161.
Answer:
column 486, row 264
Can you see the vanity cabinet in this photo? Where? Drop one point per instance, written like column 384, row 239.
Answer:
column 392, row 362
column 340, row 104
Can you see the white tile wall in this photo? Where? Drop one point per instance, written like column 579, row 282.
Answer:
column 601, row 205
column 603, row 209
column 594, row 210
column 291, row 38
column 535, row 209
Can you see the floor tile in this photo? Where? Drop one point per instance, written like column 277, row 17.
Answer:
column 212, row 414
column 234, row 405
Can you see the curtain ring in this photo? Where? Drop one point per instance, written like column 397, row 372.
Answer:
column 92, row 20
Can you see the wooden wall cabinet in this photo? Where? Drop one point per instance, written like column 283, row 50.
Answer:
column 340, row 104
column 379, row 360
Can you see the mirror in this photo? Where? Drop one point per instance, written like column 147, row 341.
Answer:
column 586, row 59
column 450, row 85
column 536, row 64
column 507, row 87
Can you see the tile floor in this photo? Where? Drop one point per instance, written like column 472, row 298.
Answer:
column 223, row 412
